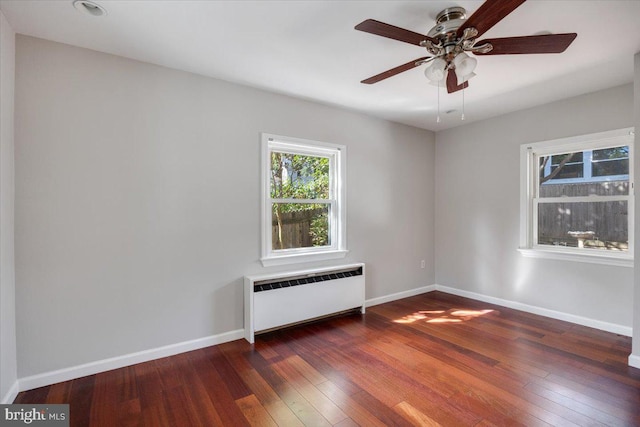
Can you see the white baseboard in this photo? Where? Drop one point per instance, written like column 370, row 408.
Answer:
column 48, row 378
column 404, row 294
column 584, row 321
column 11, row 394
column 634, row 361
column 66, row 374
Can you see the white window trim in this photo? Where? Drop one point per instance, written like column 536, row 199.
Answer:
column 338, row 156
column 528, row 153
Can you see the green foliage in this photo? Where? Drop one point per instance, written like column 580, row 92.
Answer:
column 295, row 176
column 319, row 230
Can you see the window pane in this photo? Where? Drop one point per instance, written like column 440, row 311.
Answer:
column 611, row 153
column 611, row 161
column 595, row 225
column 561, row 166
column 295, row 176
column 610, row 167
column 568, row 170
column 573, row 158
column 300, row 225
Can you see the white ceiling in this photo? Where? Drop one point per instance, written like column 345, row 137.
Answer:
column 309, row 49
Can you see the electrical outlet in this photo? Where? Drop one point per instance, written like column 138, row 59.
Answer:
column 423, row 264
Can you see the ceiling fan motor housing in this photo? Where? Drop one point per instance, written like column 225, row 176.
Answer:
column 447, row 22
column 445, row 31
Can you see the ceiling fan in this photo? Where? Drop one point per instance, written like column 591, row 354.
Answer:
column 454, row 35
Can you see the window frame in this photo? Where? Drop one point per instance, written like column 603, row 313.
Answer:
column 529, row 178
column 337, row 155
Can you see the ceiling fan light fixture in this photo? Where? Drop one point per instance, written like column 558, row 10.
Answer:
column 436, row 71
column 464, row 64
column 462, row 79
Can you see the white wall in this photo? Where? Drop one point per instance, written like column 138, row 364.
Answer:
column 477, row 211
column 8, row 366
column 137, row 201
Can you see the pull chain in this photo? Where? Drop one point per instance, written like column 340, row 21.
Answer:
column 462, row 118
column 438, row 118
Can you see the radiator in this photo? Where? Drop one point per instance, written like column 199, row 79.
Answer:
column 281, row 299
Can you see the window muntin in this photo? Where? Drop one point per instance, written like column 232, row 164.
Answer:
column 303, row 200
column 577, row 196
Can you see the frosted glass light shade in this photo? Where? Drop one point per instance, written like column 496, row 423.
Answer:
column 464, row 67
column 436, row 72
column 462, row 79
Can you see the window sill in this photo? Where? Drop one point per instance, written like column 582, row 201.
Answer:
column 620, row 260
column 302, row 257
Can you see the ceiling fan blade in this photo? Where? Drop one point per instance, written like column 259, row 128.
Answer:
column 392, row 72
column 489, row 14
column 391, row 31
column 452, row 83
column 547, row 43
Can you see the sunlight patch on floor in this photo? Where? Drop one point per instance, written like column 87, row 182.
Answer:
column 454, row 315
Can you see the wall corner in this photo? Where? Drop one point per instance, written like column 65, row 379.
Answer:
column 634, row 358
column 8, row 348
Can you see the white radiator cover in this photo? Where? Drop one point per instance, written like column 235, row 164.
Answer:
column 270, row 309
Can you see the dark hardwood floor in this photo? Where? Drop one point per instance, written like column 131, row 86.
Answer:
column 433, row 359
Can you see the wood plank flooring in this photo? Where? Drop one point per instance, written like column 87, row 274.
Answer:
column 433, row 359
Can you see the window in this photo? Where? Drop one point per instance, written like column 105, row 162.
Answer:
column 577, row 198
column 606, row 164
column 303, row 200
